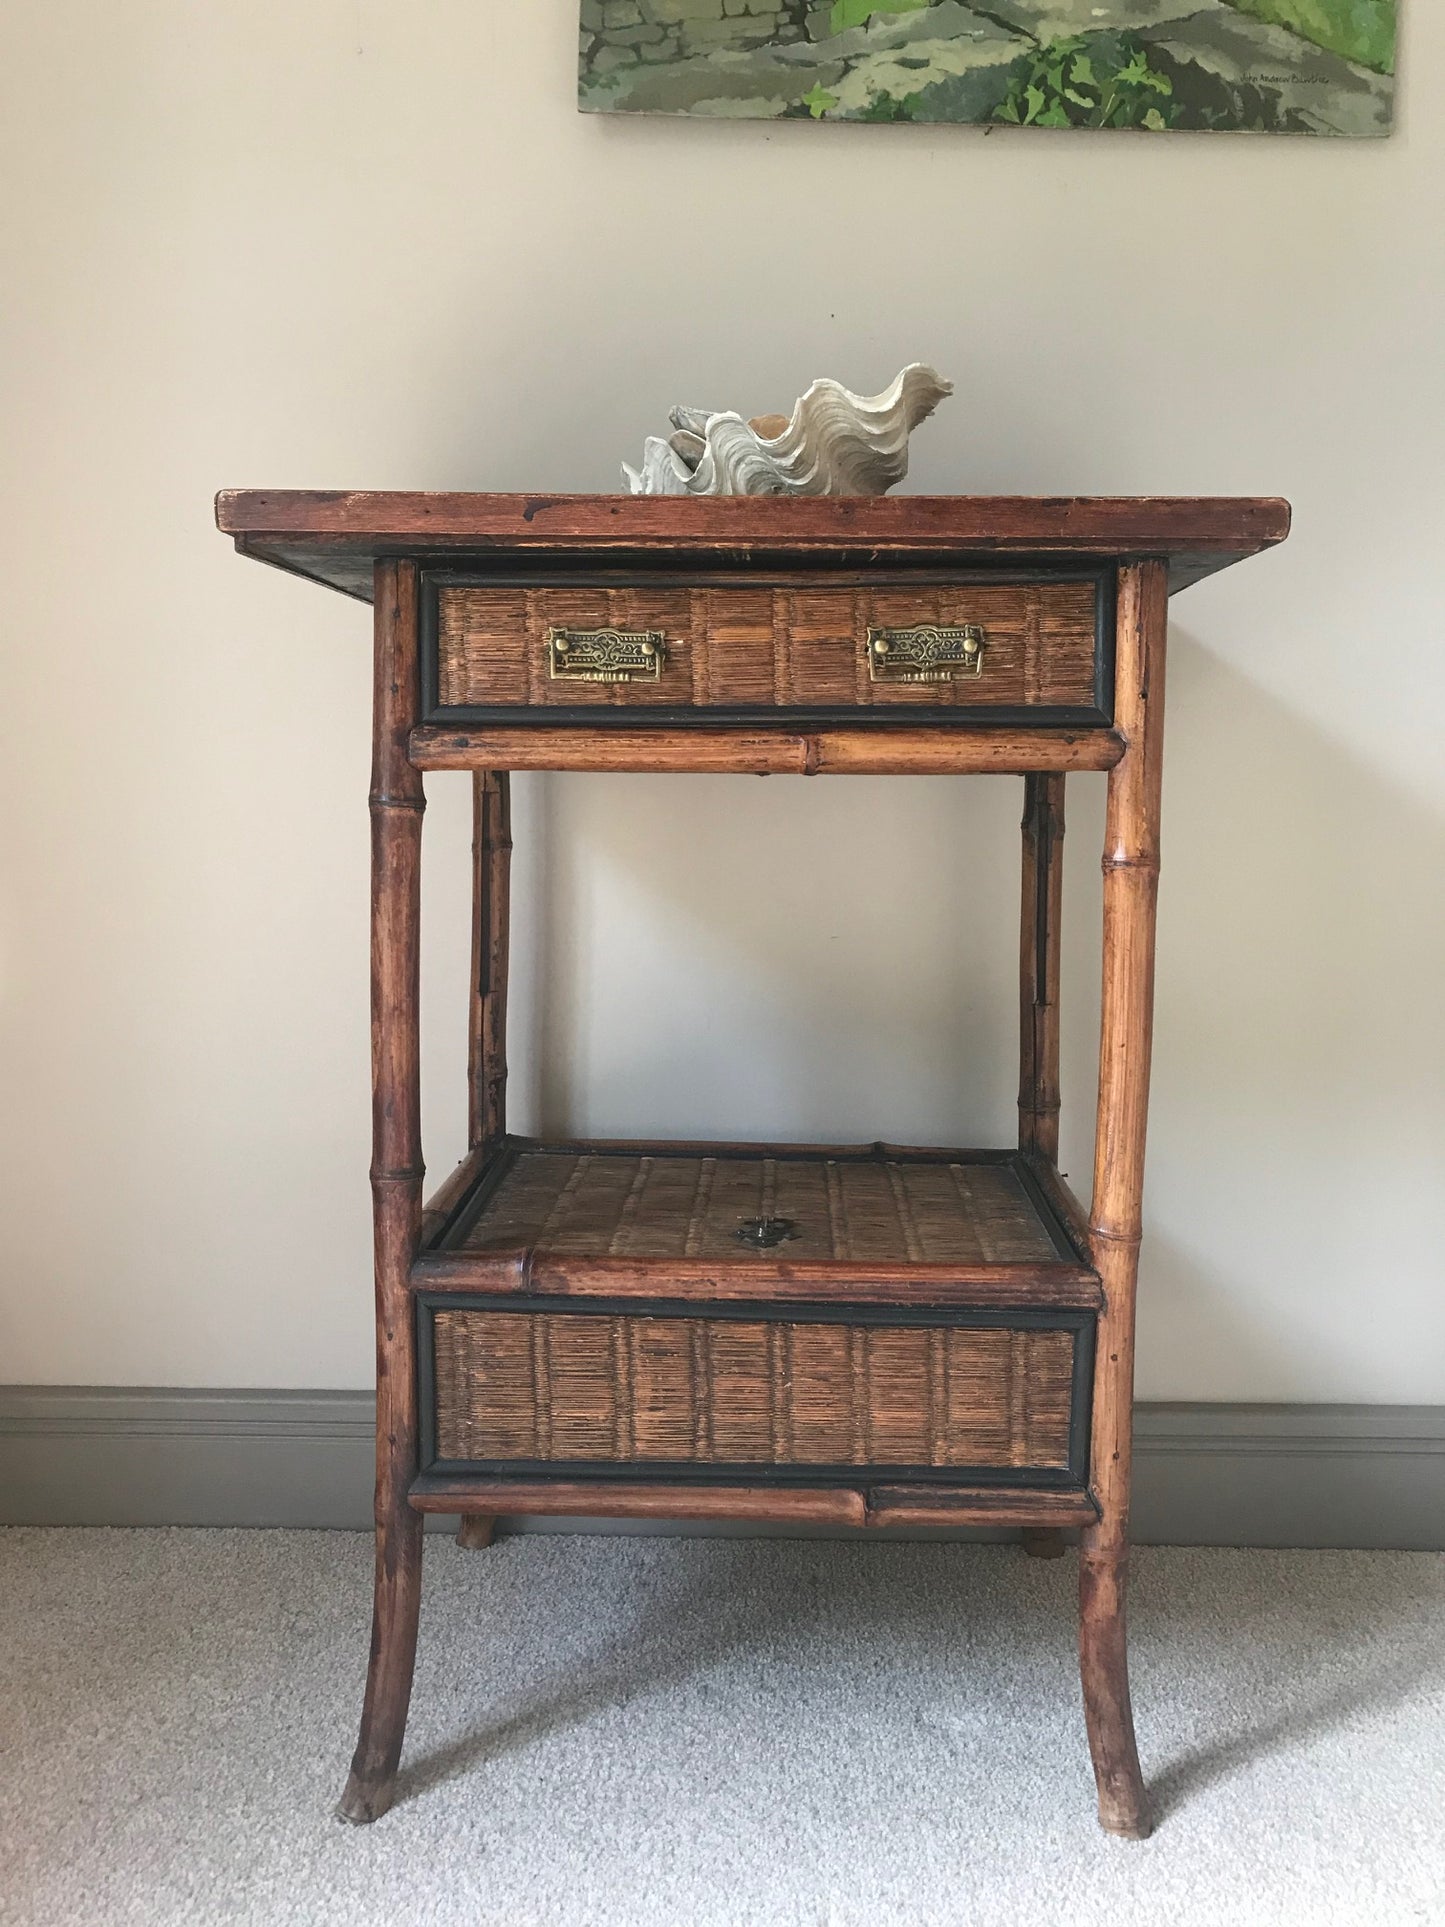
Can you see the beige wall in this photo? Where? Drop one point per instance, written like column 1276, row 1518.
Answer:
column 349, row 243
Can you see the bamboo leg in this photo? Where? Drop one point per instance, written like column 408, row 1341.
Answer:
column 491, row 913
column 1131, row 876
column 1039, row 924
column 487, row 1025
column 397, row 803
column 1040, row 916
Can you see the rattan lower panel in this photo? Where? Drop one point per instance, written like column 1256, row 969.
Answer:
column 542, row 1386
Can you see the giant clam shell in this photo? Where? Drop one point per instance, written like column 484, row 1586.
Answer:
column 834, row 443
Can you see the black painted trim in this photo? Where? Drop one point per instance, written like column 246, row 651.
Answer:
column 737, row 1151
column 584, row 573
column 806, row 1477
column 454, row 1228
column 1081, row 1403
column 1044, row 1211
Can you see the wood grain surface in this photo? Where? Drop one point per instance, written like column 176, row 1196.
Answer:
column 783, row 1505
column 334, row 536
column 784, row 751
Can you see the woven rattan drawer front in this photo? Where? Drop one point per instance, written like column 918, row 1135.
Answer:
column 1032, row 647
column 944, row 1395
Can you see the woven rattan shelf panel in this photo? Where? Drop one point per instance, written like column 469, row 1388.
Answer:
column 626, row 1389
column 849, row 1209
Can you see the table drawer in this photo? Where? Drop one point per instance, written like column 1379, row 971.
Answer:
column 982, row 649
column 954, row 1395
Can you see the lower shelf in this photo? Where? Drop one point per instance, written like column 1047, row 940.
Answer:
column 685, row 1329
column 719, row 1219
column 879, row 1506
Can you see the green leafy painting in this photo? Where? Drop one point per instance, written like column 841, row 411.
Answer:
column 1260, row 66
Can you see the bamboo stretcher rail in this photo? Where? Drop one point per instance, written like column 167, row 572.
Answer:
column 879, row 1507
column 524, row 1273
column 786, row 751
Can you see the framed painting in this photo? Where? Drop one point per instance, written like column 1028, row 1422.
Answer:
column 1260, row 66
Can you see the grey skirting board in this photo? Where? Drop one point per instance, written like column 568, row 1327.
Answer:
column 1207, row 1475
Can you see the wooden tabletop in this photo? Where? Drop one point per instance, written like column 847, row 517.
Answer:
column 335, row 536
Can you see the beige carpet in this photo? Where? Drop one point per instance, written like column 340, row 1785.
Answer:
column 711, row 1731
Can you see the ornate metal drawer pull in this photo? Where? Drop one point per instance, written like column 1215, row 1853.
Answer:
column 605, row 655
column 924, row 654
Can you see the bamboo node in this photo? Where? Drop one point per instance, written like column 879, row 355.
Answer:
column 1125, row 1238
column 1148, row 864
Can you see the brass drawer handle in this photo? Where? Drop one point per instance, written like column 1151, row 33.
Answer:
column 924, row 654
column 605, row 655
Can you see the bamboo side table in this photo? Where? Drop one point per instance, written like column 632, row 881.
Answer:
column 864, row 1335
